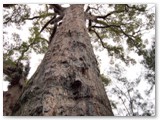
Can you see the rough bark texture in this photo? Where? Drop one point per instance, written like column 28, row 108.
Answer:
column 67, row 82
column 11, row 96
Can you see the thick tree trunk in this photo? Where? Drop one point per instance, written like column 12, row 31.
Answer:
column 67, row 82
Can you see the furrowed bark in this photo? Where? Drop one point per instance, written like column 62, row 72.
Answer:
column 67, row 82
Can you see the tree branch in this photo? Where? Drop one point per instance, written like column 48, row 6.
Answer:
column 40, row 16
column 52, row 21
column 47, row 24
column 110, row 13
column 136, row 8
column 102, row 43
column 57, row 19
column 125, row 106
column 57, row 8
column 106, row 26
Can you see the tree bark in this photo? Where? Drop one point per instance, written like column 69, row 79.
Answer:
column 67, row 82
column 15, row 88
column 10, row 97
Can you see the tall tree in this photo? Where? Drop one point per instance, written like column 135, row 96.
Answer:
column 68, row 81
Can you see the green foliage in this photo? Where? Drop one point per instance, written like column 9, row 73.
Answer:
column 9, row 62
column 115, row 49
column 149, row 58
column 105, row 80
column 17, row 50
column 126, row 22
column 20, row 12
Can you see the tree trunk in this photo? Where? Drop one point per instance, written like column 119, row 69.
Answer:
column 10, row 97
column 15, row 88
column 67, row 82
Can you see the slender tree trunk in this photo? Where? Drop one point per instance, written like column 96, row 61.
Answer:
column 67, row 82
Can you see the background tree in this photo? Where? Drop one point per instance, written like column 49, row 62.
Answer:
column 133, row 101
column 118, row 29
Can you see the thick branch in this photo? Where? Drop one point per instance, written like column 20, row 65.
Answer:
column 57, row 19
column 47, row 24
column 89, row 16
column 93, row 18
column 52, row 21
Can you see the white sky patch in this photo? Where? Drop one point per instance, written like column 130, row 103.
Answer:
column 65, row 5
column 133, row 71
column 5, row 85
column 34, row 62
column 104, row 59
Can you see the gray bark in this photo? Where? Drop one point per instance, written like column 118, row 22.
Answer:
column 10, row 97
column 67, row 82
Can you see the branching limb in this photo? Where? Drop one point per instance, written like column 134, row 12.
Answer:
column 94, row 17
column 125, row 106
column 40, row 16
column 88, row 8
column 131, row 37
column 56, row 20
column 53, row 20
column 25, row 50
column 134, row 7
column 105, row 25
column 102, row 43
column 109, row 14
column 47, row 23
